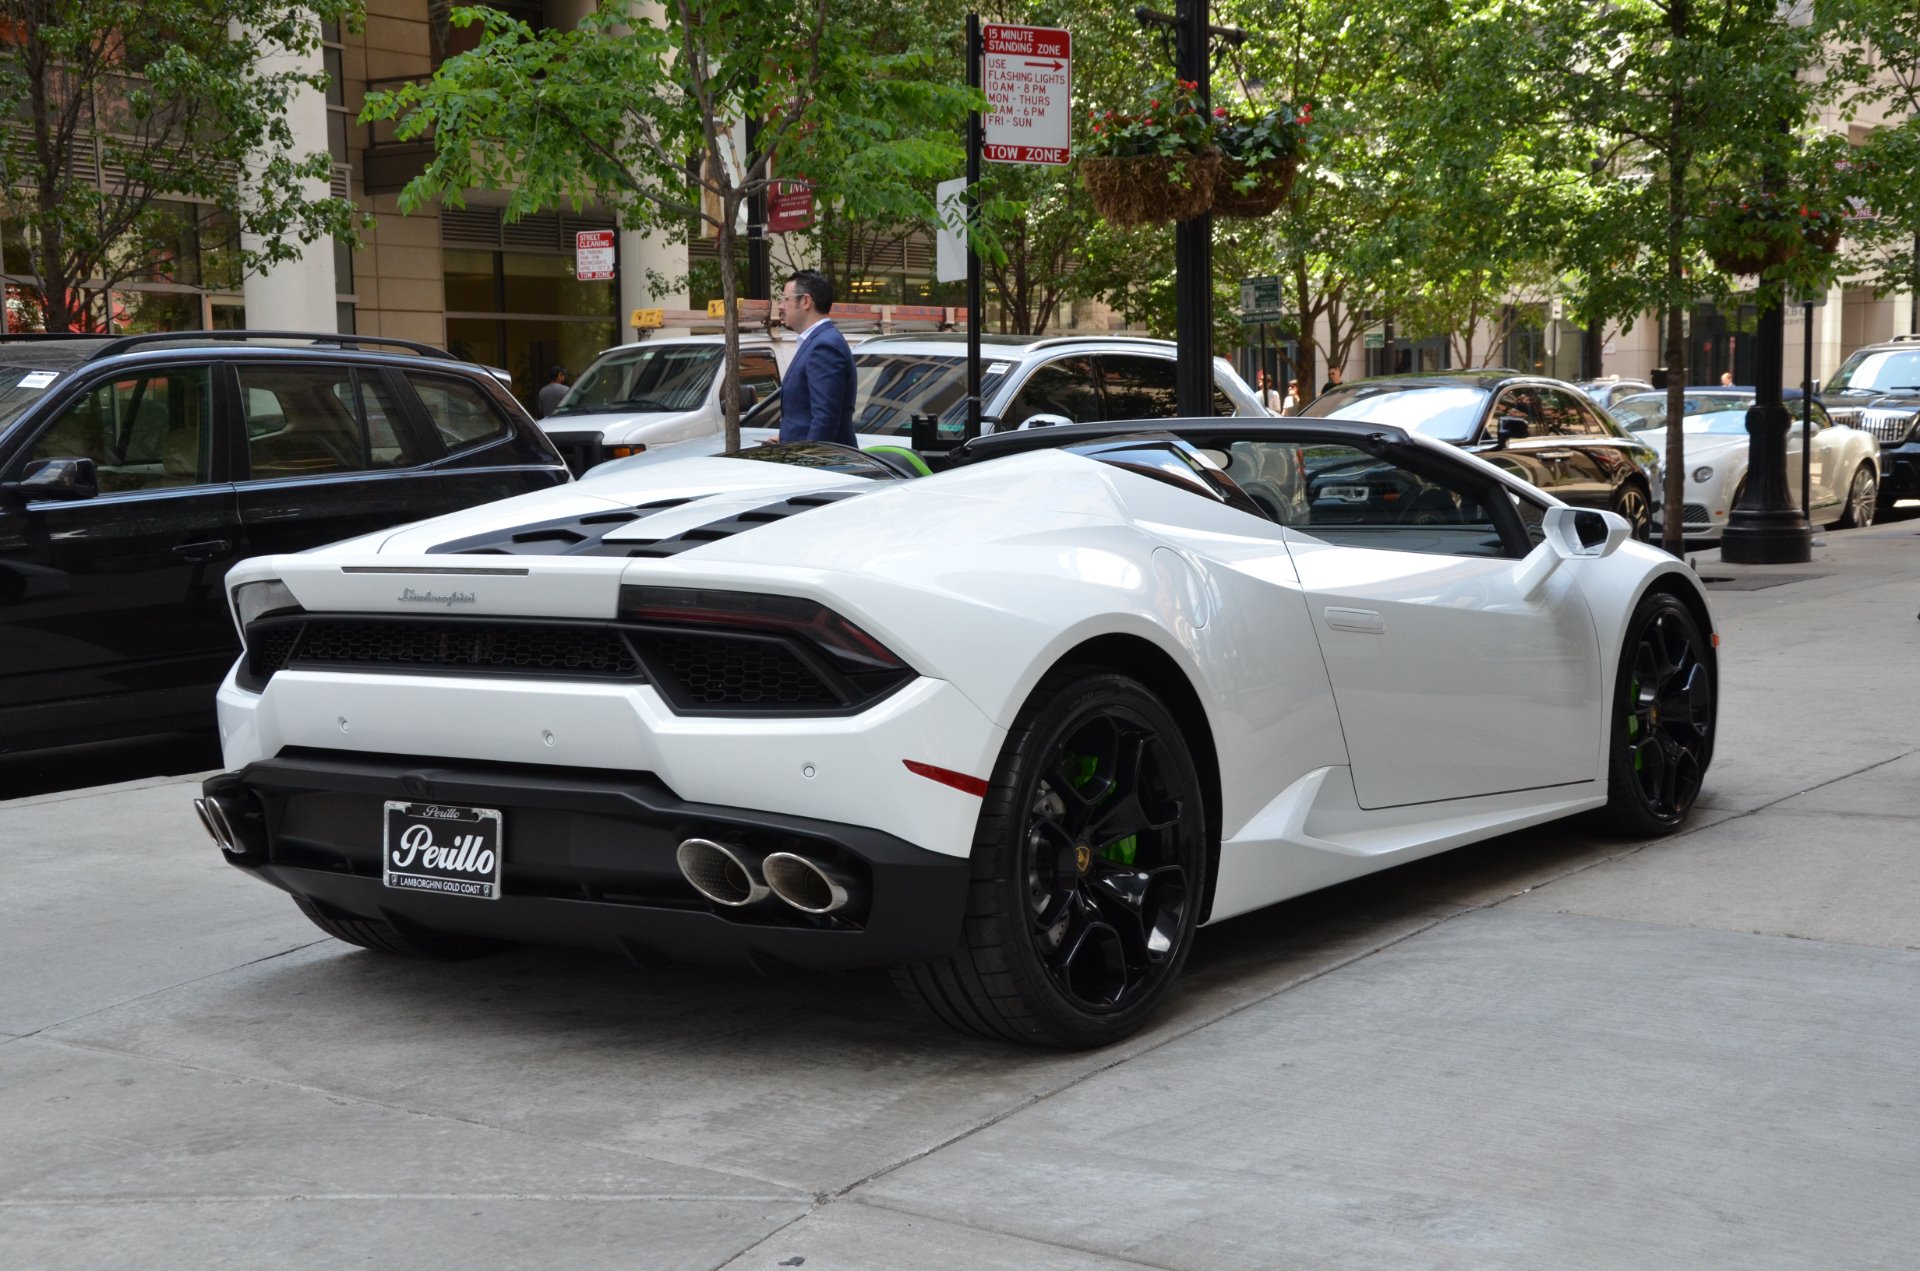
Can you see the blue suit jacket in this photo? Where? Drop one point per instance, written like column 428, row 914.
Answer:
column 816, row 397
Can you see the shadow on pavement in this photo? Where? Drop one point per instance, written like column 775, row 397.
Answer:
column 79, row 767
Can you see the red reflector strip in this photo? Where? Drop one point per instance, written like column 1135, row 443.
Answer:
column 947, row 777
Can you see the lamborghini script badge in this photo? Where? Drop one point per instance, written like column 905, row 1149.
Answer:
column 430, row 597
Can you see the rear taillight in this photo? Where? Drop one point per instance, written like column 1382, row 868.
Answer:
column 851, row 648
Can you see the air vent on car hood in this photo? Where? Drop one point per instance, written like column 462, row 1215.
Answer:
column 586, row 535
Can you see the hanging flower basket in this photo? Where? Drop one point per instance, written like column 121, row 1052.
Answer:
column 1248, row 192
column 1754, row 257
column 1150, row 189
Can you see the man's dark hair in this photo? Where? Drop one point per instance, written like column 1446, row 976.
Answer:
column 817, row 286
column 555, row 372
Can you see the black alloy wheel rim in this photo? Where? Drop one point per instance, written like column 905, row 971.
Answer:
column 1639, row 513
column 1109, row 874
column 1669, row 716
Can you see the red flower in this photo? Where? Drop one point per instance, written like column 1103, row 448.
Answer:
column 1155, row 104
column 1219, row 112
column 1803, row 210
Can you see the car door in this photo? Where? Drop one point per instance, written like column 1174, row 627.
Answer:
column 111, row 606
column 328, row 454
column 1826, row 460
column 1144, row 386
column 478, row 450
column 1568, row 443
column 1449, row 682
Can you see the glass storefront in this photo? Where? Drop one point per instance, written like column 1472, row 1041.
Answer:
column 526, row 312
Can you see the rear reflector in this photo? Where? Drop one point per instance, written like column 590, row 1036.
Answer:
column 948, row 777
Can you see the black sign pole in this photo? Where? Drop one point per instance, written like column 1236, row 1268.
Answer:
column 1193, row 240
column 1806, row 411
column 973, row 210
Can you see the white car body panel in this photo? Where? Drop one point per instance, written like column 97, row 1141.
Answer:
column 983, row 579
column 1838, row 451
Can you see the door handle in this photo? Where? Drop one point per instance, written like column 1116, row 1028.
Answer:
column 1365, row 621
column 211, row 549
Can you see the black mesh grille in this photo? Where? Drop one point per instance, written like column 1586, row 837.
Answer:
column 721, row 671
column 550, row 648
column 268, row 647
column 1695, row 514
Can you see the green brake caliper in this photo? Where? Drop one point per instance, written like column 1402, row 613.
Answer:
column 1080, row 770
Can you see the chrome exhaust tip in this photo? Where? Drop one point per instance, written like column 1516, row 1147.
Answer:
column 206, row 822
column 723, row 873
column 219, row 825
column 808, row 886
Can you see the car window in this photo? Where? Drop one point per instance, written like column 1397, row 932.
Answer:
column 1820, row 417
column 1064, row 386
column 1515, row 403
column 664, row 377
column 759, row 372
column 461, row 410
column 308, row 421
column 1450, row 412
column 891, row 388
column 1884, row 370
column 1141, row 387
column 144, row 432
column 1562, row 416
column 1355, row 499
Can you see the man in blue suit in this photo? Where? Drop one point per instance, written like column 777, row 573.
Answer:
column 816, row 395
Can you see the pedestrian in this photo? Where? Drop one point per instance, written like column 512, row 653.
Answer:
column 1726, row 377
column 1333, row 379
column 551, row 393
column 1270, row 397
column 1290, row 404
column 816, row 395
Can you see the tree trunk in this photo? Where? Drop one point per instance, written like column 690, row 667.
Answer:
column 1673, row 496
column 730, row 297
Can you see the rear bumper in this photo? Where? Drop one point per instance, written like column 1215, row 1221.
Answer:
column 588, row 862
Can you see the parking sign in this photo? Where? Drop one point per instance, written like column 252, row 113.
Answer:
column 1027, row 75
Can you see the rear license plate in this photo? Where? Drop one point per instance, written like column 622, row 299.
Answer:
column 440, row 848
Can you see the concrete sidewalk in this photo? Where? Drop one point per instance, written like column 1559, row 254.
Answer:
column 1549, row 1050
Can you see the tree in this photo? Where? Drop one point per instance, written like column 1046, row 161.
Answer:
column 170, row 108
column 646, row 118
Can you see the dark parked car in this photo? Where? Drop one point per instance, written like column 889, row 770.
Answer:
column 135, row 470
column 1541, row 430
column 1877, row 390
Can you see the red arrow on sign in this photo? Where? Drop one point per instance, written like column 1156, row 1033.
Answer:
column 1052, row 66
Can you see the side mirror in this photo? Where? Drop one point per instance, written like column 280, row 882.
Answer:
column 1813, row 390
column 1571, row 534
column 55, row 479
column 748, row 398
column 1511, row 428
column 1045, row 421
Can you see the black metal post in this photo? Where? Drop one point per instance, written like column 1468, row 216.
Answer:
column 1765, row 528
column 974, row 307
column 759, row 267
column 1592, row 338
column 1806, row 411
column 1193, row 240
column 1387, row 366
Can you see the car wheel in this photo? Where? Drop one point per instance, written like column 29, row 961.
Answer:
column 1089, row 866
column 382, row 937
column 1631, row 502
column 1863, row 499
column 1663, row 720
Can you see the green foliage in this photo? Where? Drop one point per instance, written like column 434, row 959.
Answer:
column 194, row 115
column 1254, row 139
column 1170, row 125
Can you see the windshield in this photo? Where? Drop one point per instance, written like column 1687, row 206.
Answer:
column 1449, row 412
column 21, row 387
column 1888, row 371
column 1717, row 413
column 666, row 377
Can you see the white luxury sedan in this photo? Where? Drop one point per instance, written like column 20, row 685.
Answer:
column 1014, row 726
column 1844, row 462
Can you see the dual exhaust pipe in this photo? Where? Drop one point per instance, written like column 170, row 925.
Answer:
column 218, row 820
column 735, row 876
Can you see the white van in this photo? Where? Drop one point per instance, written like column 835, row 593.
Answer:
column 636, row 397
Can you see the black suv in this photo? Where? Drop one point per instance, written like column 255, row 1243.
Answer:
column 1543, row 431
column 1877, row 390
column 135, row 470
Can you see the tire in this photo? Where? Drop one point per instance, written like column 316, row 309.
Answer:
column 381, row 937
column 1070, row 941
column 1631, row 501
column 1663, row 718
column 1863, row 499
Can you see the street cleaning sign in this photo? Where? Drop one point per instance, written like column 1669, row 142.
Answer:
column 1027, row 75
column 593, row 255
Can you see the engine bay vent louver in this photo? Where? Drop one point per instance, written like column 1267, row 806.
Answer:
column 586, row 535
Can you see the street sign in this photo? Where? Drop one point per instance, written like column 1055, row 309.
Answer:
column 593, row 255
column 949, row 240
column 1260, row 300
column 789, row 207
column 1027, row 75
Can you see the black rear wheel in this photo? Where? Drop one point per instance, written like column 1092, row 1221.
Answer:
column 383, row 937
column 1089, row 866
column 1663, row 719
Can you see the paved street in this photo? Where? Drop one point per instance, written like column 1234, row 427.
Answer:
column 1552, row 1050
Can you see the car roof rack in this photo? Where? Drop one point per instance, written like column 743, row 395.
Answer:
column 1911, row 337
column 127, row 343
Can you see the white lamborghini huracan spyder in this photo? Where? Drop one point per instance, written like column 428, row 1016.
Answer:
column 1015, row 727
